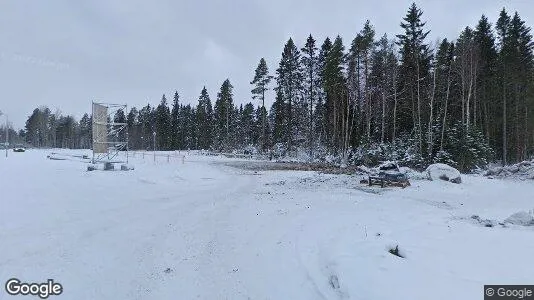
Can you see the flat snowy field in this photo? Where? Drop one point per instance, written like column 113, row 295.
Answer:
column 205, row 230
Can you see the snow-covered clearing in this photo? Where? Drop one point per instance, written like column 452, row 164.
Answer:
column 205, row 230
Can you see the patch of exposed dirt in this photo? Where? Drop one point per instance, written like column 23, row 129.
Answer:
column 269, row 165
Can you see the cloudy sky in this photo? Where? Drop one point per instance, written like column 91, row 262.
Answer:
column 64, row 54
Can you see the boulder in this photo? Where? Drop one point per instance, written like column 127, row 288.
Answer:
column 522, row 218
column 443, row 172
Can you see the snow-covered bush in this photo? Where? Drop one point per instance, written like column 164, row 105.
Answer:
column 395, row 251
column 467, row 148
column 445, row 157
column 279, row 150
column 403, row 150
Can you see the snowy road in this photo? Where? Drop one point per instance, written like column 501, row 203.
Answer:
column 202, row 230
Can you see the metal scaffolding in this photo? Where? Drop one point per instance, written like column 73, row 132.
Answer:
column 110, row 138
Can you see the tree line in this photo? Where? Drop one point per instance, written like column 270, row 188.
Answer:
column 464, row 102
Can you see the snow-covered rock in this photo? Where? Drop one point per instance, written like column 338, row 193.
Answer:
column 443, row 172
column 522, row 218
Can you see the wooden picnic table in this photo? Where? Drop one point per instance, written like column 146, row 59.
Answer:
column 384, row 181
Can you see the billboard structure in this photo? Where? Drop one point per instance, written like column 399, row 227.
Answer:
column 110, row 138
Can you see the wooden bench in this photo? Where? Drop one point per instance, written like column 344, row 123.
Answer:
column 373, row 180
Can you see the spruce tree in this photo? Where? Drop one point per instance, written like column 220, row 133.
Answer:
column 247, row 124
column 336, row 94
column 223, row 116
column 278, row 119
column 505, row 55
column 204, row 120
column 289, row 84
column 133, row 129
column 312, row 81
column 175, row 122
column 163, row 125
column 320, row 109
column 487, row 91
column 120, row 117
column 414, row 73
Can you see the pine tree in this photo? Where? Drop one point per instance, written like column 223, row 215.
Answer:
column 261, row 85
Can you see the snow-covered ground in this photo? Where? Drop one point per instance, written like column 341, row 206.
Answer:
column 204, row 230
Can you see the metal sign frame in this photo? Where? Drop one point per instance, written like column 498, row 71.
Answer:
column 107, row 142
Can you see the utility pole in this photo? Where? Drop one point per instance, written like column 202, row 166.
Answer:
column 154, row 134
column 7, row 133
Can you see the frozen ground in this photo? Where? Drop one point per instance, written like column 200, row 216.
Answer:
column 205, row 230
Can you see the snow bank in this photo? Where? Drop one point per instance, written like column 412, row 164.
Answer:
column 389, row 166
column 443, row 172
column 522, row 218
column 413, row 174
column 522, row 170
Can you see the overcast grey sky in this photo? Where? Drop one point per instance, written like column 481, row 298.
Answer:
column 64, row 53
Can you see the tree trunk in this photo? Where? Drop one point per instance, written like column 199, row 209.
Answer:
column 504, row 130
column 443, row 125
column 431, row 118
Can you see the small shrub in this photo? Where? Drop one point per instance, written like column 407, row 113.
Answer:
column 395, row 251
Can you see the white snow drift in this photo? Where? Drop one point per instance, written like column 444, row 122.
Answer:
column 202, row 230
